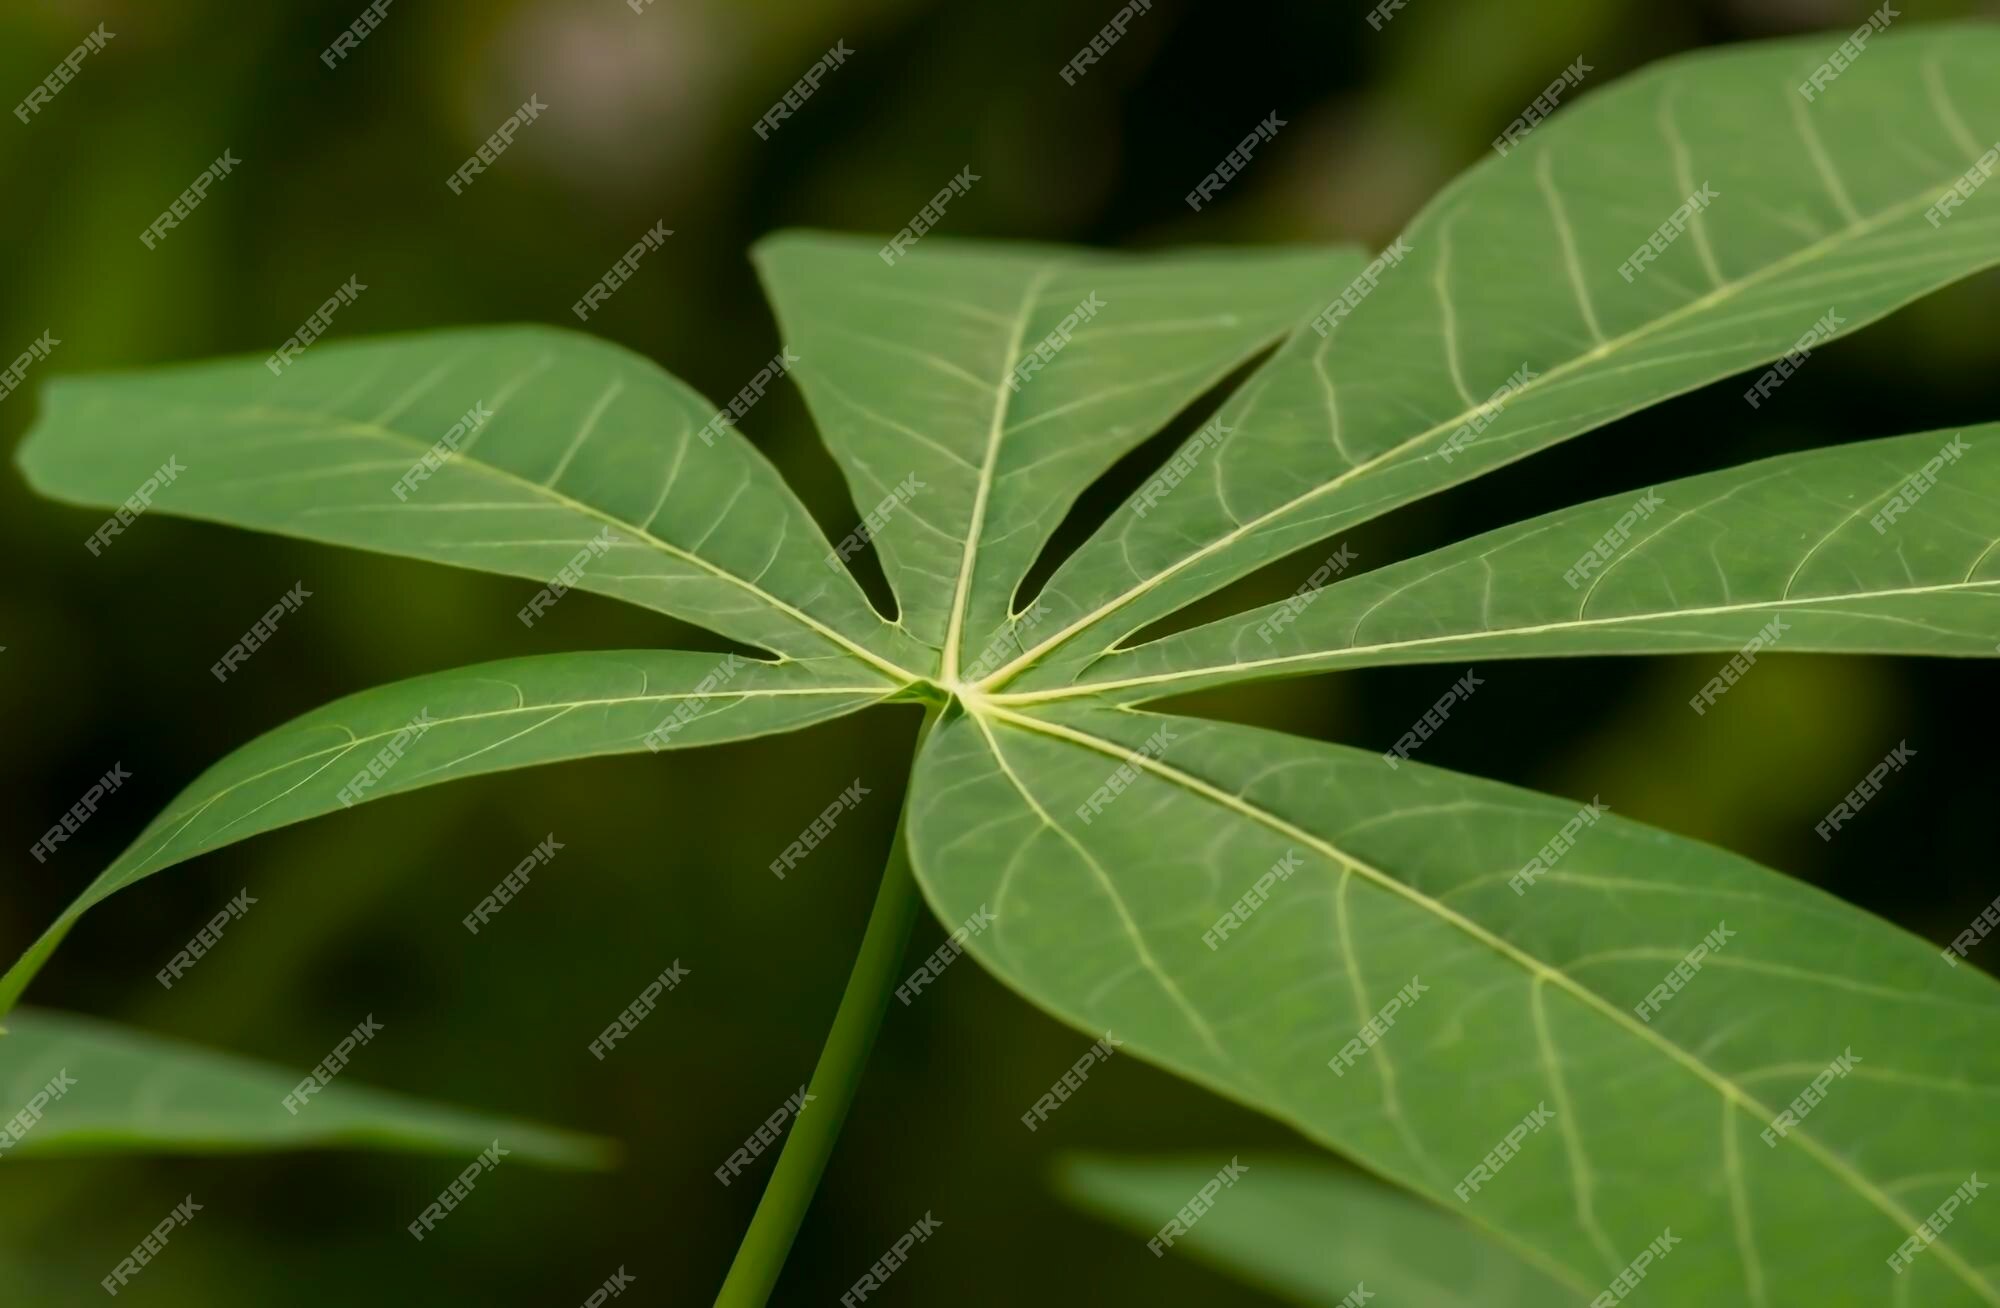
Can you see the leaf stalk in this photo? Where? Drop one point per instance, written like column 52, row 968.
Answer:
column 803, row 1157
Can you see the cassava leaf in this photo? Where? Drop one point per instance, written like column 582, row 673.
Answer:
column 592, row 457
column 1820, row 210
column 486, row 718
column 1312, row 1233
column 1107, row 842
column 1004, row 379
column 1407, row 965
column 125, row 1091
column 1704, row 563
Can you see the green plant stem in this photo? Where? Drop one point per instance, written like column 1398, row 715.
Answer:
column 802, row 1160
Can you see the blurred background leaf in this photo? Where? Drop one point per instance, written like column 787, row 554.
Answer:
column 1310, row 1231
column 113, row 1090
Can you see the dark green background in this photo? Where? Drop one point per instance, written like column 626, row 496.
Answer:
column 648, row 121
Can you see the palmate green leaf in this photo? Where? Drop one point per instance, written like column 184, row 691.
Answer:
column 1104, row 859
column 486, row 718
column 1004, row 380
column 1312, row 1233
column 1378, row 880
column 592, row 457
column 123, row 1091
column 1704, row 563
column 1820, row 207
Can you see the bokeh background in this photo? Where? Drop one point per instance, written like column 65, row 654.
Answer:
column 648, row 121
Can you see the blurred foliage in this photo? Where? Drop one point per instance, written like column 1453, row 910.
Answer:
column 649, row 120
